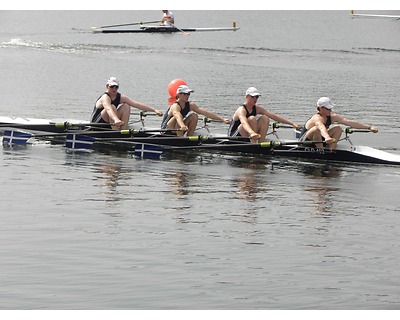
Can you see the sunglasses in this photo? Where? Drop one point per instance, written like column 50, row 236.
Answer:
column 114, row 87
column 186, row 94
column 255, row 97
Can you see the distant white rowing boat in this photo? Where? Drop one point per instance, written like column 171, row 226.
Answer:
column 365, row 15
column 164, row 29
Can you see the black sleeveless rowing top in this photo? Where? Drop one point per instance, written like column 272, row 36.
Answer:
column 233, row 128
column 167, row 117
column 96, row 114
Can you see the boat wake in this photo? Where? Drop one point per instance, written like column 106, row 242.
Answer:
column 78, row 48
column 86, row 48
column 380, row 49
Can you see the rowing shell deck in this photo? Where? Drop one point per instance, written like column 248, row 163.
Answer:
column 162, row 29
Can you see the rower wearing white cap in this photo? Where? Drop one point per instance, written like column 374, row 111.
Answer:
column 115, row 108
column 182, row 115
column 324, row 125
column 252, row 120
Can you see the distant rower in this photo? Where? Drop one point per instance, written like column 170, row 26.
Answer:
column 168, row 18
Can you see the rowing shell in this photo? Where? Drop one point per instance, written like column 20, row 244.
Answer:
column 128, row 139
column 163, row 29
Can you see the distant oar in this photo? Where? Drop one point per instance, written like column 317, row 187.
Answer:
column 185, row 33
column 125, row 24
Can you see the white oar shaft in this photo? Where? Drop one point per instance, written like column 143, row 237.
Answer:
column 126, row 24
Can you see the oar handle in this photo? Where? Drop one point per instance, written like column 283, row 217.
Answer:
column 143, row 114
column 137, row 131
column 351, row 130
column 69, row 125
column 207, row 120
column 277, row 125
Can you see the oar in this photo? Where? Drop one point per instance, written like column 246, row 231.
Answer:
column 84, row 141
column 11, row 137
column 185, row 33
column 160, row 139
column 206, row 120
column 125, row 24
column 154, row 151
column 21, row 137
column 63, row 125
column 264, row 144
column 75, row 141
column 151, row 140
column 274, row 125
column 277, row 125
column 148, row 151
column 144, row 114
column 351, row 130
column 208, row 140
column 165, row 138
column 126, row 132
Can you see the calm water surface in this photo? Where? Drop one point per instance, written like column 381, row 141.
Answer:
column 105, row 230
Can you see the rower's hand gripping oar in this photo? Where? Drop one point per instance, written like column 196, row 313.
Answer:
column 350, row 130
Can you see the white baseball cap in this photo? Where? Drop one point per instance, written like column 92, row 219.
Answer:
column 183, row 89
column 112, row 81
column 325, row 102
column 252, row 92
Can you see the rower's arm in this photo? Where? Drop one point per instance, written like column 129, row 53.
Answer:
column 321, row 127
column 245, row 124
column 140, row 105
column 177, row 115
column 208, row 114
column 357, row 125
column 276, row 117
column 282, row 119
column 106, row 101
